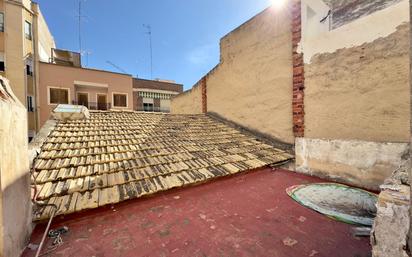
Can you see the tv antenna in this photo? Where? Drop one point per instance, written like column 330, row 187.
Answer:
column 87, row 53
column 117, row 67
column 80, row 18
column 149, row 32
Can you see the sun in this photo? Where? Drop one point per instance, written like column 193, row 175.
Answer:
column 278, row 3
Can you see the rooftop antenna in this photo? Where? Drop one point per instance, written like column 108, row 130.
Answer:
column 80, row 17
column 87, row 53
column 149, row 32
column 117, row 67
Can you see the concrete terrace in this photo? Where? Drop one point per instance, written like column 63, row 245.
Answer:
column 243, row 215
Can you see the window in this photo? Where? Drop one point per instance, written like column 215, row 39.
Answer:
column 58, row 96
column 83, row 99
column 29, row 70
column 2, row 63
column 119, row 100
column 147, row 107
column 30, row 103
column 27, row 30
column 1, row 22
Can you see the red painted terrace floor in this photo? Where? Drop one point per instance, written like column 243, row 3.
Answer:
column 245, row 215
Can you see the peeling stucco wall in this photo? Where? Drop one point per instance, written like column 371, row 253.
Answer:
column 189, row 102
column 357, row 104
column 365, row 89
column 15, row 204
column 359, row 163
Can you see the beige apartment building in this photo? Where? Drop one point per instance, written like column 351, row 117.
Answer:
column 95, row 89
column 64, row 81
column 24, row 41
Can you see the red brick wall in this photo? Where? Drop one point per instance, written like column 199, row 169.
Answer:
column 298, row 73
column 204, row 94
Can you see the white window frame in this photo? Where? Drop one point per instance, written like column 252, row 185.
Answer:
column 30, row 35
column 120, row 93
column 64, row 88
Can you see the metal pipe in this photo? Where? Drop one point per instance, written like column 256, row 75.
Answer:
column 47, row 229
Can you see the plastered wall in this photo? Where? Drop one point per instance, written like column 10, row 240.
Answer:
column 252, row 85
column 15, row 204
column 189, row 102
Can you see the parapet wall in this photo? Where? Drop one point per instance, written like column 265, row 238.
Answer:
column 252, row 85
column 15, row 204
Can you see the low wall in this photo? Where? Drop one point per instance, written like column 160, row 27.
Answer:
column 189, row 102
column 15, row 204
column 359, row 163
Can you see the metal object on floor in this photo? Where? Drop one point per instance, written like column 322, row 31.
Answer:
column 340, row 202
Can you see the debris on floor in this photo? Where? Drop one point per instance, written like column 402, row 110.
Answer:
column 340, row 202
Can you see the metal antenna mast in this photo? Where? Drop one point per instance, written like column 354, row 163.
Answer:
column 117, row 67
column 149, row 32
column 80, row 17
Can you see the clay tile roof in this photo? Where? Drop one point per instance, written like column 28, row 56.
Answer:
column 115, row 156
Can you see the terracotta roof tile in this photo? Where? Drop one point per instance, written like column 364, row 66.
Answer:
column 115, row 156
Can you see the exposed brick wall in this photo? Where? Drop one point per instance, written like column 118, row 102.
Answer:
column 298, row 72
column 204, row 94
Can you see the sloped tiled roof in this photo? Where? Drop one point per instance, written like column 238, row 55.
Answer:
column 115, row 156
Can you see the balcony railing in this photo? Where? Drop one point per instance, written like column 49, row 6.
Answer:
column 95, row 106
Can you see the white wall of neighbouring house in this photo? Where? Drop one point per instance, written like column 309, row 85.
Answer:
column 15, row 204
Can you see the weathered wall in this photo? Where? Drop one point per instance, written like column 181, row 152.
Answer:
column 252, row 85
column 189, row 102
column 364, row 89
column 357, row 102
column 15, row 205
column 360, row 163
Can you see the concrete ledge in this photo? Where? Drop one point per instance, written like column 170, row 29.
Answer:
column 359, row 163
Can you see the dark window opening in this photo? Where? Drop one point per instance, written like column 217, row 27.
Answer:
column 59, row 96
column 30, row 104
column 148, row 107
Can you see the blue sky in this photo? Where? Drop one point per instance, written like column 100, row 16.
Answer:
column 185, row 33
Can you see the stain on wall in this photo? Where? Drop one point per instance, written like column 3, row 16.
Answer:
column 360, row 92
column 345, row 11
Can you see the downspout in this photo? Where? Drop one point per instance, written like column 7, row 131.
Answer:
column 36, row 65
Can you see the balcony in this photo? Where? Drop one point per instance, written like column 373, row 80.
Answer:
column 152, row 109
column 94, row 106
